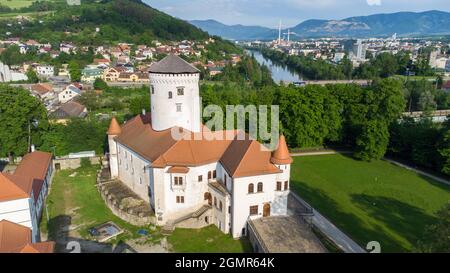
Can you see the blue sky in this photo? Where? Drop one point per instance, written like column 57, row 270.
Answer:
column 291, row 12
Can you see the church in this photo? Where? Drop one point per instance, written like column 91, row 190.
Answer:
column 223, row 181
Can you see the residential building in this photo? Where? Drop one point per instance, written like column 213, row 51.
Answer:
column 89, row 74
column 70, row 92
column 22, row 193
column 45, row 70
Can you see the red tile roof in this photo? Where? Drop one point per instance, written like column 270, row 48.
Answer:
column 15, row 238
column 34, row 165
column 9, row 190
column 239, row 157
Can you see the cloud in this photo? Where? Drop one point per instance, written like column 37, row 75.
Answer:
column 374, row 2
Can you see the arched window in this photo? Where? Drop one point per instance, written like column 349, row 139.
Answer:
column 170, row 94
column 260, row 187
column 251, row 188
column 220, row 205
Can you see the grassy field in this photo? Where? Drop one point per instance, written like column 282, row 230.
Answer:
column 16, row 4
column 374, row 201
column 74, row 198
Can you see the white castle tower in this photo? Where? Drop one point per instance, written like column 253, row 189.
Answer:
column 174, row 92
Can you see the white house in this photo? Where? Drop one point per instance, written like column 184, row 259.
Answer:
column 45, row 70
column 222, row 178
column 22, row 194
column 68, row 93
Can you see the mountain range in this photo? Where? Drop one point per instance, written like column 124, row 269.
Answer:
column 378, row 25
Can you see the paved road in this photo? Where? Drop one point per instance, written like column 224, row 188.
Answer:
column 338, row 237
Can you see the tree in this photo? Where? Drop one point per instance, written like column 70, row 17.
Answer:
column 427, row 102
column 445, row 152
column 100, row 84
column 373, row 140
column 22, row 118
column 137, row 104
column 74, row 71
column 32, row 76
column 436, row 238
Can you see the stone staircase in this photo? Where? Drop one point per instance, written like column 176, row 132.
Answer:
column 169, row 227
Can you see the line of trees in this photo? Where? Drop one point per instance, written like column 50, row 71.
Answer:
column 316, row 115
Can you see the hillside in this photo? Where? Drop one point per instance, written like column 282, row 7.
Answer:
column 117, row 21
column 402, row 23
column 234, row 32
column 378, row 25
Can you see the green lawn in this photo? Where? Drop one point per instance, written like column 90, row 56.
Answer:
column 374, row 201
column 209, row 239
column 75, row 198
column 15, row 4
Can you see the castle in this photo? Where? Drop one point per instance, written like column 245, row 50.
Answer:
column 223, row 181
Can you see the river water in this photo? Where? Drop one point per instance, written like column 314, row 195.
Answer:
column 279, row 72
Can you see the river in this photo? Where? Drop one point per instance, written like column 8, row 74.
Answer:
column 279, row 72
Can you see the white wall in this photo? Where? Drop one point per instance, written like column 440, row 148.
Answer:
column 192, row 190
column 164, row 110
column 242, row 200
column 21, row 211
column 132, row 171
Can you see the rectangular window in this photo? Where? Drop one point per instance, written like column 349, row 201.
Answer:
column 286, row 185
column 153, row 89
column 180, row 199
column 253, row 210
column 180, row 91
column 178, row 181
column 178, row 107
column 200, row 178
column 214, row 174
column 278, row 185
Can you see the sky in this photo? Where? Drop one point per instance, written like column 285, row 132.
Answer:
column 292, row 12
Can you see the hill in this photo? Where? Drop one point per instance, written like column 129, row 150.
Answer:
column 234, row 32
column 115, row 20
column 378, row 25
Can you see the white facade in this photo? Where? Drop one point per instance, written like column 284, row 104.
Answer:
column 45, row 70
column 23, row 212
column 175, row 101
column 178, row 191
column 230, row 209
column 68, row 94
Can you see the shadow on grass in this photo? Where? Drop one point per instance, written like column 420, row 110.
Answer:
column 407, row 221
column 59, row 230
column 401, row 218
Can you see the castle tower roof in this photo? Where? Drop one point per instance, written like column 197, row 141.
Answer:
column 114, row 127
column 281, row 155
column 172, row 64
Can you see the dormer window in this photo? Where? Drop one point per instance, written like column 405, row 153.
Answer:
column 180, row 91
